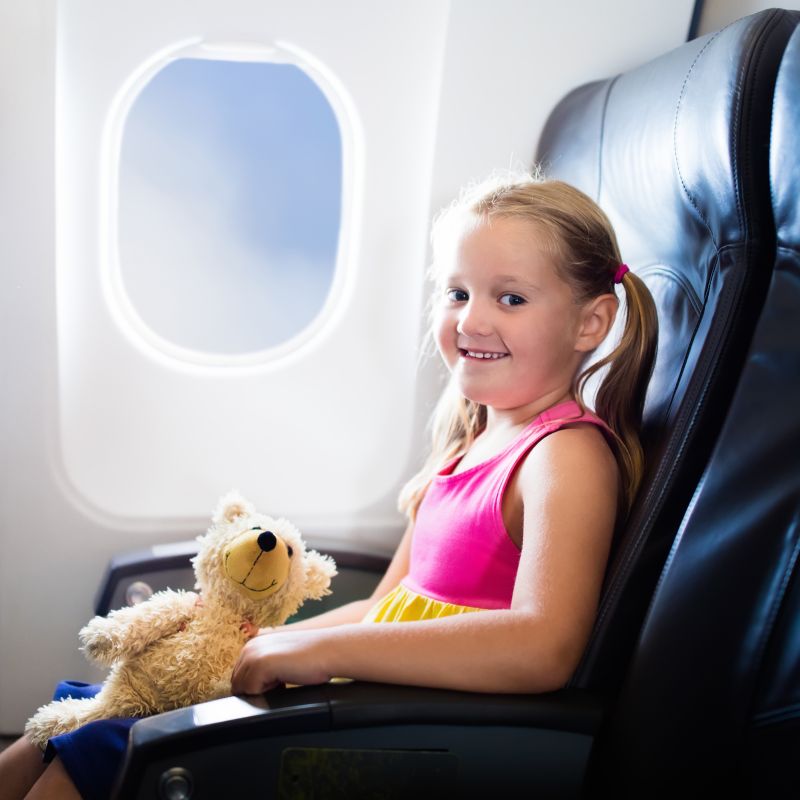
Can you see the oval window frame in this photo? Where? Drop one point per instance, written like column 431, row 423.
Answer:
column 124, row 312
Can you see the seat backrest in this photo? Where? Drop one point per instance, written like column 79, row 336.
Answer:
column 676, row 153
column 711, row 704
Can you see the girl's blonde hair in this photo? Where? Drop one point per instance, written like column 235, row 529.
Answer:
column 582, row 241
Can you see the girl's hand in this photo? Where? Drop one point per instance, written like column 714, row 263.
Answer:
column 282, row 657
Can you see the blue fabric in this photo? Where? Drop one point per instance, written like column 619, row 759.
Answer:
column 92, row 755
column 75, row 689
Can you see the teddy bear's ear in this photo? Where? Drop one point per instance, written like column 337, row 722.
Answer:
column 319, row 571
column 232, row 506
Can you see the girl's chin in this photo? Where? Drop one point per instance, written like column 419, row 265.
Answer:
column 480, row 396
column 495, row 397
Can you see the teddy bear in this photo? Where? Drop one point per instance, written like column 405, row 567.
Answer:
column 178, row 648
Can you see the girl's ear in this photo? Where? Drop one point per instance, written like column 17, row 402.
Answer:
column 597, row 319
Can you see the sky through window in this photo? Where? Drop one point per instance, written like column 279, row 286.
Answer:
column 229, row 203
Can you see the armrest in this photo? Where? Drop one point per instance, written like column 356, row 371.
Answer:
column 133, row 576
column 354, row 739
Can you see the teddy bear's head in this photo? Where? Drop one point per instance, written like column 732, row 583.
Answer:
column 258, row 566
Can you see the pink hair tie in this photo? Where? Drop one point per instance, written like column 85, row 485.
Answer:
column 620, row 273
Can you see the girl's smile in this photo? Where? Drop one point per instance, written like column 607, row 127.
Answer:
column 480, row 355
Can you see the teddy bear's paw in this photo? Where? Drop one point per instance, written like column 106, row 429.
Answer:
column 99, row 641
column 37, row 732
column 60, row 716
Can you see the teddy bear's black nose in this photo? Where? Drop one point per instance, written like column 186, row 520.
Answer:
column 267, row 541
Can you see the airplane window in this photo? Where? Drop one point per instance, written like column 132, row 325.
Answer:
column 229, row 203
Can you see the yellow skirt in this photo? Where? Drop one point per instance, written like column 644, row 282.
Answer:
column 403, row 605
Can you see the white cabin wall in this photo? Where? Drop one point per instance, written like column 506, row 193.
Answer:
column 40, row 588
column 307, row 433
column 719, row 13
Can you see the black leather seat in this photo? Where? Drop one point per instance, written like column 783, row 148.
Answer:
column 678, row 153
column 711, row 703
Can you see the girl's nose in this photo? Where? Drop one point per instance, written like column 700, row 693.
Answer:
column 474, row 320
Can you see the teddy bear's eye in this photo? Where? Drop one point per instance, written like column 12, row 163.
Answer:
column 289, row 550
column 255, row 529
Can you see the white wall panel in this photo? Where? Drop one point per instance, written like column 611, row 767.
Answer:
column 719, row 13
column 308, row 433
column 38, row 590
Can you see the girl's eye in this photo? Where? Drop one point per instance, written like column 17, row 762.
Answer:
column 457, row 295
column 512, row 300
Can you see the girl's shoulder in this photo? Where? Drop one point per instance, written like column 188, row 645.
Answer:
column 574, row 458
column 568, row 414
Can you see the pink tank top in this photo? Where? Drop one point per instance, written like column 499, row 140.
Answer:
column 461, row 552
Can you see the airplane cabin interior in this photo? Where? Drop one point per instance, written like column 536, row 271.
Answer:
column 137, row 393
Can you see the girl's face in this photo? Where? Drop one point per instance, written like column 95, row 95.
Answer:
column 506, row 324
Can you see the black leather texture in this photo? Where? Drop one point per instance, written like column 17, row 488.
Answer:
column 711, row 704
column 677, row 154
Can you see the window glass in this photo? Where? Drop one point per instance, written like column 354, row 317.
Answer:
column 229, row 203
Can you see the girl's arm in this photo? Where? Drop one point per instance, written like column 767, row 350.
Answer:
column 569, row 489
column 355, row 611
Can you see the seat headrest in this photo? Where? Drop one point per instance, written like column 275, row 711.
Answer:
column 668, row 150
column 784, row 150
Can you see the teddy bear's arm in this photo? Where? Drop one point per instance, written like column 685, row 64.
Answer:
column 129, row 630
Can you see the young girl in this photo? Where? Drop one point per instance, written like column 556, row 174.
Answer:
column 498, row 575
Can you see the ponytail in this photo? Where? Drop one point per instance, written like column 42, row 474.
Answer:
column 620, row 399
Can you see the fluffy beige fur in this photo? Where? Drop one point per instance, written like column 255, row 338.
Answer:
column 179, row 648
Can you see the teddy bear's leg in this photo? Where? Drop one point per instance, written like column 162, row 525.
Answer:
column 62, row 716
